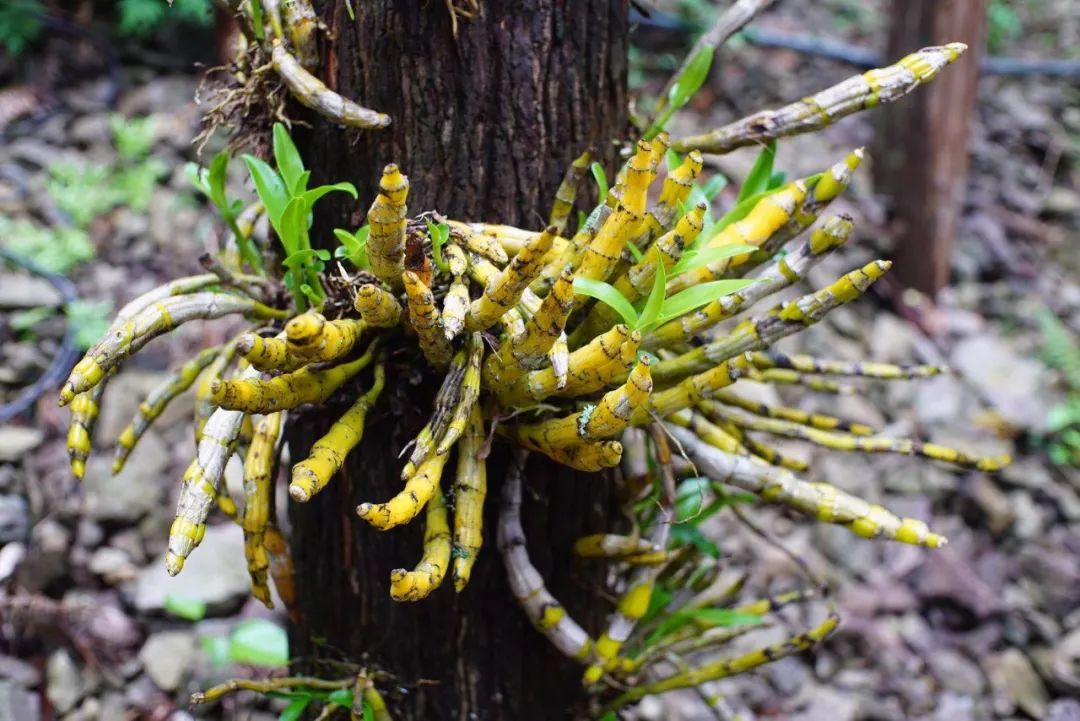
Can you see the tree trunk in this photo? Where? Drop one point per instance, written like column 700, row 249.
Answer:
column 921, row 156
column 484, row 125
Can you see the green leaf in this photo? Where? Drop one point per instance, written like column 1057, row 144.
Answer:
column 90, row 319
column 270, row 189
column 292, row 228
column 315, row 193
column 692, row 78
column 672, row 159
column 259, row 643
column 197, row 176
column 255, row 8
column 342, row 697
column 690, row 498
column 698, row 295
column 635, row 251
column 216, row 649
column 757, row 180
column 658, row 601
column 439, row 234
column 185, row 607
column 606, row 293
column 601, row 181
column 691, row 535
column 287, row 157
column 713, row 186
column 698, row 257
column 369, row 713
column 295, row 710
column 726, row 617
column 354, row 245
column 651, row 312
column 215, row 179
column 777, row 179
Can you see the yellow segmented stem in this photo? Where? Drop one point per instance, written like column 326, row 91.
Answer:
column 856, row 369
column 424, row 319
column 301, row 22
column 260, row 463
column 603, row 252
column 85, row 409
column 289, row 390
column 377, row 307
column 428, row 575
column 860, row 92
column 469, row 394
column 282, row 571
column 783, row 320
column 313, row 93
column 315, row 339
column 156, row 402
column 154, row 320
column 839, row 441
column 470, row 489
column 504, row 291
column 544, row 612
column 795, row 415
column 567, row 192
column 613, row 547
column 833, row 233
column 827, row 503
column 267, row 353
column 768, row 216
column 386, row 218
column 312, row 474
column 405, row 506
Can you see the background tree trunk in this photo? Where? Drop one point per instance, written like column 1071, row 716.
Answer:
column 484, row 125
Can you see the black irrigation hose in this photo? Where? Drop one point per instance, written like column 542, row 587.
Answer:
column 63, row 360
column 866, row 58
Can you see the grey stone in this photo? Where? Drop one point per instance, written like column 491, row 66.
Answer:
column 1014, row 384
column 996, row 509
column 18, row 704
column 135, row 491
column 11, row 556
column 89, row 534
column 90, row 129
column 17, row 441
column 1015, row 685
column 955, row 671
column 828, row 703
column 114, row 706
column 939, row 400
column 892, row 339
column 168, row 657
column 65, row 685
column 215, row 573
column 1030, row 516
column 19, row 292
column 113, row 565
column 14, row 519
column 1063, row 709
column 18, row 671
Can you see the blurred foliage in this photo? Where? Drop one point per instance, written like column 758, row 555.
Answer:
column 1061, row 351
column 22, row 21
column 57, row 249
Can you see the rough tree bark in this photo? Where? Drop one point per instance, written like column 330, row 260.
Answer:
column 484, row 125
column 921, row 156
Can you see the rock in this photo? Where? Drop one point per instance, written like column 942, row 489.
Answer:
column 1063, row 709
column 1030, row 516
column 130, row 541
column 114, row 706
column 18, row 671
column 954, row 707
column 892, row 339
column 955, row 671
column 17, row 441
column 102, row 619
column 19, row 292
column 18, row 704
column 947, row 576
column 215, row 573
column 89, row 710
column 89, row 534
column 829, row 703
column 1015, row 685
column 132, row 493
column 47, row 561
column 65, row 686
column 1014, row 384
column 939, row 400
column 168, row 657
column 11, row 555
column 90, row 129
column 1062, row 202
column 994, row 506
column 14, row 519
column 113, row 565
